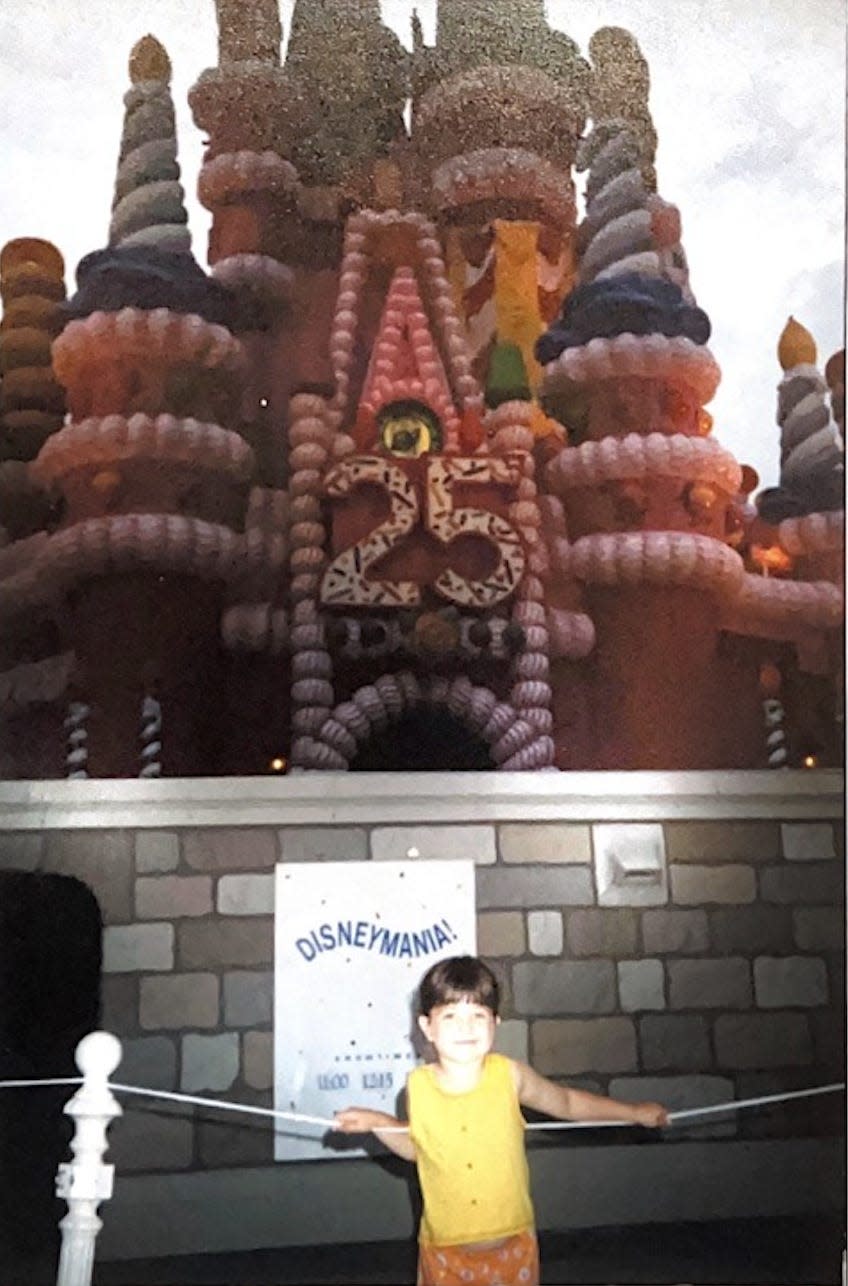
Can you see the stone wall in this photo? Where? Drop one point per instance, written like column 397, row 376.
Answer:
column 729, row 985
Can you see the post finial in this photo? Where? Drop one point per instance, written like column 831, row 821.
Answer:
column 98, row 1054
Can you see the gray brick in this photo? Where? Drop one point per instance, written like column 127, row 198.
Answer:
column 564, row 987
column 544, row 932
column 434, row 843
column 156, row 852
column 248, row 999
column 210, row 1063
column 230, row 849
column 570, row 1047
column 216, row 943
column 323, row 844
column 149, row 1061
column 725, row 841
column 691, row 885
column 244, row 1141
column 534, row 886
column 641, row 985
column 678, row 1093
column 150, row 1139
column 819, row 928
column 501, row 933
column 836, row 973
column 119, row 1003
column 674, row 1043
column 672, row 930
column 21, row 850
column 545, row 842
column 807, row 841
column 790, row 982
column 512, row 1039
column 503, row 974
column 828, row 1030
column 602, row 932
column 809, row 882
column 186, row 1000
column 751, row 929
column 138, row 948
column 762, row 1041
column 710, row 984
column 246, row 895
column 793, row 1118
column 102, row 860
column 258, row 1056
column 163, row 897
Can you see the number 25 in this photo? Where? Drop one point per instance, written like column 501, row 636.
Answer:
column 345, row 581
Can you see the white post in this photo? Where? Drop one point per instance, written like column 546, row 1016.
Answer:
column 86, row 1181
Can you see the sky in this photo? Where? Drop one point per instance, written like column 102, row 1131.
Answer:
column 748, row 98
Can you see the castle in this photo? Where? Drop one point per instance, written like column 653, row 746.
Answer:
column 419, row 474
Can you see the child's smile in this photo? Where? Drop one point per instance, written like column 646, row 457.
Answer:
column 460, row 1031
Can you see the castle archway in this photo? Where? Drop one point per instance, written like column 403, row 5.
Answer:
column 397, row 707
column 426, row 739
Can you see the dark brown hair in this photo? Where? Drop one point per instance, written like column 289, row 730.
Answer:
column 458, row 978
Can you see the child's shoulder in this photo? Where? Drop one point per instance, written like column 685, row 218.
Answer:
column 500, row 1062
column 417, row 1074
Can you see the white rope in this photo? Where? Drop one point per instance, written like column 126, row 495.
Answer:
column 757, row 1102
column 53, row 1080
column 732, row 1105
column 223, row 1104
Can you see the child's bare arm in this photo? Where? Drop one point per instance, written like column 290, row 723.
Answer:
column 363, row 1120
column 566, row 1104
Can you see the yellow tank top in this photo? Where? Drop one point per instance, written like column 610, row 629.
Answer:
column 470, row 1156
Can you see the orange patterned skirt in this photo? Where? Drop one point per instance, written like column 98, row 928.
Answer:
column 515, row 1262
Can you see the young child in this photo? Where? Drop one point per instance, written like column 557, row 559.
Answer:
column 466, row 1134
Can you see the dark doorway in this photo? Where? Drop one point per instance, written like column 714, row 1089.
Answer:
column 429, row 739
column 50, row 955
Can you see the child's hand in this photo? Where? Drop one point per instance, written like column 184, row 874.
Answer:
column 359, row 1120
column 651, row 1115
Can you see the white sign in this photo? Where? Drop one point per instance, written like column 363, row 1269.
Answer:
column 352, row 942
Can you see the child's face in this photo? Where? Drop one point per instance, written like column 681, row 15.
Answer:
column 461, row 1031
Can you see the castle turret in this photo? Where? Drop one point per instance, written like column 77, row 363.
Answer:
column 35, row 660
column 498, row 81
column 619, row 89
column 32, row 288
column 477, row 33
column 834, row 373
column 499, row 104
column 249, row 32
column 812, row 450
column 149, row 204
column 351, row 73
column 154, row 485
column 646, row 491
column 291, row 151
column 792, row 598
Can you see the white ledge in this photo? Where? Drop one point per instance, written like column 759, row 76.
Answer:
column 326, row 799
